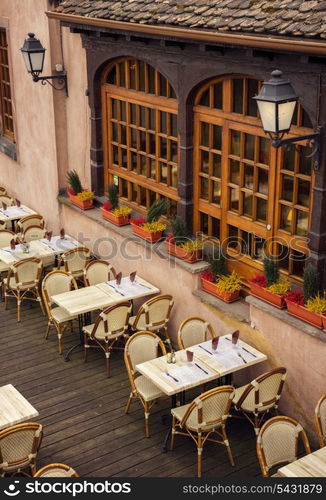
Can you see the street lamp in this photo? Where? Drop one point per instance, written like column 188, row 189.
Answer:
column 276, row 103
column 33, row 54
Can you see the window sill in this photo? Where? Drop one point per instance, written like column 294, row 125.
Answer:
column 126, row 232
column 8, row 148
column 238, row 310
column 282, row 315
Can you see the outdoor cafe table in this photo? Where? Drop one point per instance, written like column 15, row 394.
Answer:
column 85, row 300
column 14, row 213
column 14, row 408
column 312, row 465
column 205, row 367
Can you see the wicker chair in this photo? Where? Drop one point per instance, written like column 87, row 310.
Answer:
column 33, row 233
column 19, row 446
column 3, row 224
column 54, row 283
column 260, row 396
column 22, row 282
column 56, row 470
column 30, row 220
column 206, row 415
column 153, row 316
column 97, row 271
column 2, row 191
column 193, row 331
column 74, row 262
column 5, row 237
column 110, row 327
column 277, row 442
column 141, row 347
column 320, row 420
column 7, row 200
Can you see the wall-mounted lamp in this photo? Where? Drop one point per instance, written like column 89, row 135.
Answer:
column 33, row 54
column 276, row 103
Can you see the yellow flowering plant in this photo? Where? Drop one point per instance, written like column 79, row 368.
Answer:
column 154, row 227
column 317, row 304
column 229, row 283
column 85, row 195
column 122, row 210
column 192, row 245
column 281, row 287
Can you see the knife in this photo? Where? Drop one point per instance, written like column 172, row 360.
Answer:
column 202, row 369
column 252, row 354
column 205, row 349
column 114, row 288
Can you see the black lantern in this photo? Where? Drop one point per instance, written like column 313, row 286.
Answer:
column 276, row 103
column 33, row 53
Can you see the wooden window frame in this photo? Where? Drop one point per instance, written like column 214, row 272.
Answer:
column 6, row 102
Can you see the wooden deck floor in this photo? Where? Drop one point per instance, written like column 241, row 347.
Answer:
column 83, row 412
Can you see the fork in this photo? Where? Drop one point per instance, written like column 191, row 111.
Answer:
column 242, row 357
column 169, row 375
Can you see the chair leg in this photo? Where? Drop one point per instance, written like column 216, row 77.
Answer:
column 146, row 409
column 128, row 403
column 47, row 330
column 256, row 426
column 59, row 330
column 107, row 362
column 228, row 447
column 39, row 299
column 6, row 300
column 18, row 307
column 86, row 347
column 199, row 455
column 172, row 433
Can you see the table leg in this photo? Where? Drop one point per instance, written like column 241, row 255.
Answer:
column 83, row 319
column 168, row 434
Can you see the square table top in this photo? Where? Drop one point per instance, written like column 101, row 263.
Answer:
column 15, row 213
column 98, row 296
column 14, row 408
column 312, row 465
column 155, row 369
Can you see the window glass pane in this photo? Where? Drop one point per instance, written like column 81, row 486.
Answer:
column 204, row 100
column 235, row 142
column 234, row 171
column 217, row 137
column 132, row 74
column 286, row 218
column 122, row 74
column 132, row 108
column 216, row 228
column 174, row 151
column 174, row 129
column 152, row 143
column 142, row 145
column 164, row 173
column 252, row 90
column 141, row 76
column 152, row 119
column 305, row 163
column 204, row 188
column 247, row 204
column 163, row 147
column 303, row 192
column 218, row 95
column 233, row 239
column 237, row 96
column 123, row 111
column 114, row 108
column 204, row 165
column 124, row 158
column 174, row 176
column 142, row 196
column 123, row 135
column 114, row 131
column 234, row 199
column 217, row 165
column 249, row 176
column 283, row 256
column 302, row 223
column 204, row 134
column 152, row 168
column 249, row 146
column 287, row 188
column 151, row 79
column 142, row 116
column 112, row 76
column 246, row 243
column 288, row 163
column 123, row 187
column 216, row 193
column 259, row 250
column 264, row 150
column 204, row 223
column 133, row 138
column 262, row 181
column 163, row 126
column 298, row 262
column 261, row 209
column 162, row 86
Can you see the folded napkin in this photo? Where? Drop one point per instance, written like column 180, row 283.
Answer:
column 62, row 233
column 113, row 272
column 118, row 278
column 4, row 206
column 133, row 276
column 235, row 336
column 12, row 244
column 18, row 203
column 190, row 355
column 215, row 343
column 48, row 235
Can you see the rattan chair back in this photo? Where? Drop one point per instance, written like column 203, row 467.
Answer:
column 193, row 331
column 5, row 237
column 97, row 271
column 320, row 420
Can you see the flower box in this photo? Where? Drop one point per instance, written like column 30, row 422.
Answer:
column 210, row 287
column 272, row 298
column 146, row 235
column 302, row 313
column 117, row 220
column 83, row 204
column 180, row 253
column 323, row 318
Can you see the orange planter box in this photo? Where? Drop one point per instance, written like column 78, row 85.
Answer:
column 117, row 220
column 179, row 252
column 83, row 204
column 302, row 313
column 272, row 298
column 146, row 235
column 210, row 287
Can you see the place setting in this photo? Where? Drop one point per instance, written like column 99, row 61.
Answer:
column 127, row 286
column 60, row 243
column 187, row 370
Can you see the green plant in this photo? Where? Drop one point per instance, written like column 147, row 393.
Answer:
column 157, row 209
column 113, row 196
column 85, row 195
column 192, row 245
column 154, row 227
column 229, row 283
column 74, row 181
column 271, row 270
column 179, row 230
column 310, row 282
column 281, row 287
column 217, row 264
column 317, row 304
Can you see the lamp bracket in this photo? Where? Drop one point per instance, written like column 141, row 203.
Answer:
column 312, row 141
column 61, row 79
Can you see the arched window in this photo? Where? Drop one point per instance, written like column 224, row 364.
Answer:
column 140, row 133
column 248, row 195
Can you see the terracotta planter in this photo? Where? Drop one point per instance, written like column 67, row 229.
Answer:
column 323, row 318
column 83, row 204
column 302, row 313
column 264, row 294
column 210, row 287
column 117, row 220
column 180, row 253
column 146, row 235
